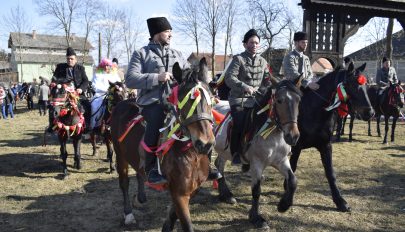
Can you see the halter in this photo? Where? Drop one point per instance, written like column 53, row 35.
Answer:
column 194, row 95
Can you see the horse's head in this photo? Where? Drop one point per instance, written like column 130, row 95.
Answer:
column 356, row 89
column 117, row 92
column 285, row 109
column 194, row 105
column 395, row 95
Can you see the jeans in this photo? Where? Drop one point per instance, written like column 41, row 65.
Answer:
column 6, row 110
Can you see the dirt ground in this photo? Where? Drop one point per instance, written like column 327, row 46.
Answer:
column 34, row 197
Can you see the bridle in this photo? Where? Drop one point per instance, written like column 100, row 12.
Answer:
column 288, row 86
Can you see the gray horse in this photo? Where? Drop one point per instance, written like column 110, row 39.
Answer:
column 274, row 130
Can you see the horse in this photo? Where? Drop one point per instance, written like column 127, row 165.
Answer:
column 186, row 163
column 275, row 130
column 68, row 121
column 387, row 104
column 315, row 123
column 115, row 94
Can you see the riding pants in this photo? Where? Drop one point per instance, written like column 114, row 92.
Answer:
column 239, row 115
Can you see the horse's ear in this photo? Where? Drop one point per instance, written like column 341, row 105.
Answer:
column 177, row 72
column 350, row 69
column 361, row 68
column 203, row 73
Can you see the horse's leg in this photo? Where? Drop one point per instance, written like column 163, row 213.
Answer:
column 339, row 128
column 225, row 195
column 295, row 155
column 394, row 123
column 77, row 140
column 256, row 171
column 181, row 204
column 369, row 127
column 139, row 199
column 63, row 153
column 110, row 152
column 386, row 119
column 343, row 125
column 351, row 128
column 170, row 220
column 290, row 185
column 326, row 156
column 93, row 140
column 122, row 169
column 378, row 125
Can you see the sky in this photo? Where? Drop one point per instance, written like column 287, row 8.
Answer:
column 145, row 9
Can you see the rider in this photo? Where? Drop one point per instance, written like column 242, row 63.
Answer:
column 247, row 72
column 296, row 63
column 67, row 72
column 385, row 75
column 150, row 67
column 106, row 72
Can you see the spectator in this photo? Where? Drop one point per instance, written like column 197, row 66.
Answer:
column 30, row 96
column 43, row 95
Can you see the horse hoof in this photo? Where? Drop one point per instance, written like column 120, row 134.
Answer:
column 283, row 206
column 129, row 219
column 259, row 223
column 136, row 203
column 342, row 206
column 228, row 200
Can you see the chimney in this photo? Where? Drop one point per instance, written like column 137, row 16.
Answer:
column 72, row 36
column 34, row 34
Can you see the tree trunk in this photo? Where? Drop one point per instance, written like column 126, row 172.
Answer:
column 390, row 28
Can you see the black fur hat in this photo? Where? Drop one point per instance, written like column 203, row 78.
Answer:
column 300, row 35
column 385, row 59
column 347, row 60
column 115, row 60
column 249, row 34
column 70, row 52
column 157, row 25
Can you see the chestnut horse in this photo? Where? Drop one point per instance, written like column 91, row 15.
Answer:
column 68, row 121
column 186, row 163
column 116, row 93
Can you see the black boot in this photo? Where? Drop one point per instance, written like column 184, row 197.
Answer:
column 51, row 118
column 151, row 170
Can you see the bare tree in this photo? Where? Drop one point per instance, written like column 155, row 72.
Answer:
column 272, row 19
column 212, row 13
column 188, row 20
column 390, row 28
column 64, row 13
column 110, row 27
column 131, row 30
column 18, row 22
column 374, row 32
column 89, row 12
column 232, row 11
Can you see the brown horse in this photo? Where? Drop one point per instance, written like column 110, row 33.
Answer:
column 68, row 121
column 186, row 163
column 115, row 94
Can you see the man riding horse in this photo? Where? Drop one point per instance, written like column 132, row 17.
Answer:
column 385, row 76
column 247, row 72
column 72, row 72
column 150, row 68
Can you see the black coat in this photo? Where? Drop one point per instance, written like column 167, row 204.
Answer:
column 80, row 79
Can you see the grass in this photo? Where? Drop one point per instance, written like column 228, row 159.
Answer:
column 34, row 197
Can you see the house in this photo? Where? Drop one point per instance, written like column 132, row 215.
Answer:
column 34, row 55
column 373, row 54
column 220, row 60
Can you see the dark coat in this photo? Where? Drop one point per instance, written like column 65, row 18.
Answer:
column 80, row 79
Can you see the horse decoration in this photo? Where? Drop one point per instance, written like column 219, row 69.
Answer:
column 387, row 104
column 316, row 120
column 185, row 153
column 275, row 129
column 115, row 94
column 68, row 121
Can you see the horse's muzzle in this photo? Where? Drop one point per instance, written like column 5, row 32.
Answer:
column 203, row 148
column 291, row 133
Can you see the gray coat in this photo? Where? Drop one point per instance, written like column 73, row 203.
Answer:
column 386, row 76
column 145, row 66
column 43, row 92
column 244, row 71
column 294, row 64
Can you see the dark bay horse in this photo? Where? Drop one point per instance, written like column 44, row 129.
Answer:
column 316, row 124
column 388, row 105
column 275, row 130
column 186, row 163
column 68, row 121
column 115, row 94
